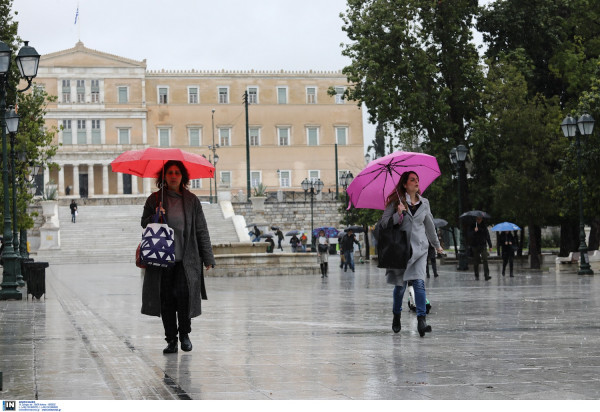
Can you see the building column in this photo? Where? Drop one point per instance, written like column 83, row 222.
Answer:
column 46, row 177
column 61, row 180
column 104, row 179
column 147, row 186
column 75, row 180
column 91, row 180
column 119, row 184
column 134, row 185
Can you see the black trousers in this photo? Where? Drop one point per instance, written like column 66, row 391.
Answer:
column 174, row 302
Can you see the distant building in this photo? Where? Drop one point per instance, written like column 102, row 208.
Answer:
column 109, row 104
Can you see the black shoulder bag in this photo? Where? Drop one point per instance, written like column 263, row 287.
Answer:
column 393, row 249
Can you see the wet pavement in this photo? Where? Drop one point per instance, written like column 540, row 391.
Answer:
column 534, row 336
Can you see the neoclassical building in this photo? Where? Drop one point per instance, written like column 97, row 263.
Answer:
column 109, row 104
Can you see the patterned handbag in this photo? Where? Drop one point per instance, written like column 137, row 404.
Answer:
column 158, row 245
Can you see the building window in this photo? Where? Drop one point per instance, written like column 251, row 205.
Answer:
column 124, row 136
column 193, row 95
column 225, row 179
column 339, row 95
column 194, row 133
column 80, row 91
column 253, row 95
column 312, row 134
column 341, row 135
column 96, row 133
column 282, row 95
column 163, row 95
column 67, row 132
column 81, row 132
column 254, row 136
column 196, row 183
column 164, row 137
column 285, row 178
column 284, row 136
column 313, row 175
column 311, row 95
column 66, row 91
column 95, row 91
column 255, row 179
column 123, row 94
column 225, row 136
column 224, row 95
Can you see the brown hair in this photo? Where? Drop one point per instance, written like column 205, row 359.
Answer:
column 399, row 193
column 185, row 177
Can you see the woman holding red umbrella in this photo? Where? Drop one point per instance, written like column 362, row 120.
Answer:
column 411, row 211
column 175, row 293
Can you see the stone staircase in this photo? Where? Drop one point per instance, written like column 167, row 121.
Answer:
column 111, row 234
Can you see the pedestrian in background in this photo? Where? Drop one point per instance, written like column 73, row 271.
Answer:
column 294, row 241
column 479, row 236
column 279, row 239
column 431, row 256
column 411, row 211
column 73, row 207
column 508, row 244
column 348, row 242
column 175, row 293
column 303, row 241
column 323, row 252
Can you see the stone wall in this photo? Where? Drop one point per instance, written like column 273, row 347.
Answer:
column 292, row 215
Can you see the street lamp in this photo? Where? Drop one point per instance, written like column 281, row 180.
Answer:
column 345, row 181
column 458, row 155
column 569, row 128
column 12, row 126
column 214, row 148
column 313, row 187
column 27, row 61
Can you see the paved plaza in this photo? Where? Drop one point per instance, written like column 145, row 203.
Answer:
column 534, row 336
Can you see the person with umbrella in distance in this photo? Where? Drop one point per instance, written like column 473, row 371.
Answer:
column 322, row 252
column 508, row 244
column 347, row 248
column 411, row 211
column 479, row 236
column 175, row 293
column 279, row 238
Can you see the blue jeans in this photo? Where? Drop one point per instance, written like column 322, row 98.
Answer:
column 349, row 259
column 420, row 298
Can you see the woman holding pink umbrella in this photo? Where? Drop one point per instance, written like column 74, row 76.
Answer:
column 411, row 211
column 175, row 293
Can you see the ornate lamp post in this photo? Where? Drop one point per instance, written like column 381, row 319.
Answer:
column 345, row 181
column 313, row 187
column 458, row 155
column 27, row 61
column 214, row 148
column 570, row 128
column 12, row 126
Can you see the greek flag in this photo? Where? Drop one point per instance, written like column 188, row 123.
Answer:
column 76, row 14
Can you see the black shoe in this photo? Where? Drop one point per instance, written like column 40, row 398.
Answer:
column 396, row 323
column 422, row 325
column 186, row 343
column 476, row 277
column 511, row 275
column 435, row 275
column 428, row 276
column 488, row 277
column 171, row 347
column 345, row 269
column 502, row 273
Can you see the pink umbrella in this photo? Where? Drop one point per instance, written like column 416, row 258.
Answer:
column 371, row 187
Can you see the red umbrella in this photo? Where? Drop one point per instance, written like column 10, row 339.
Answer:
column 149, row 162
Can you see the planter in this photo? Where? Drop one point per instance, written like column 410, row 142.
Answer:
column 258, row 202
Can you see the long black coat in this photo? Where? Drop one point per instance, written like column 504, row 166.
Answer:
column 197, row 253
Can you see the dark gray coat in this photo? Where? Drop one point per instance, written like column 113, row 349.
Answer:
column 197, row 253
column 421, row 231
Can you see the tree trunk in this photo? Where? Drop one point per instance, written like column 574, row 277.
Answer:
column 569, row 237
column 535, row 249
column 594, row 240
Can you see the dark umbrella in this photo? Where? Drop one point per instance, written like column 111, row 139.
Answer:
column 275, row 228
column 293, row 232
column 355, row 229
column 472, row 214
column 266, row 235
column 439, row 222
